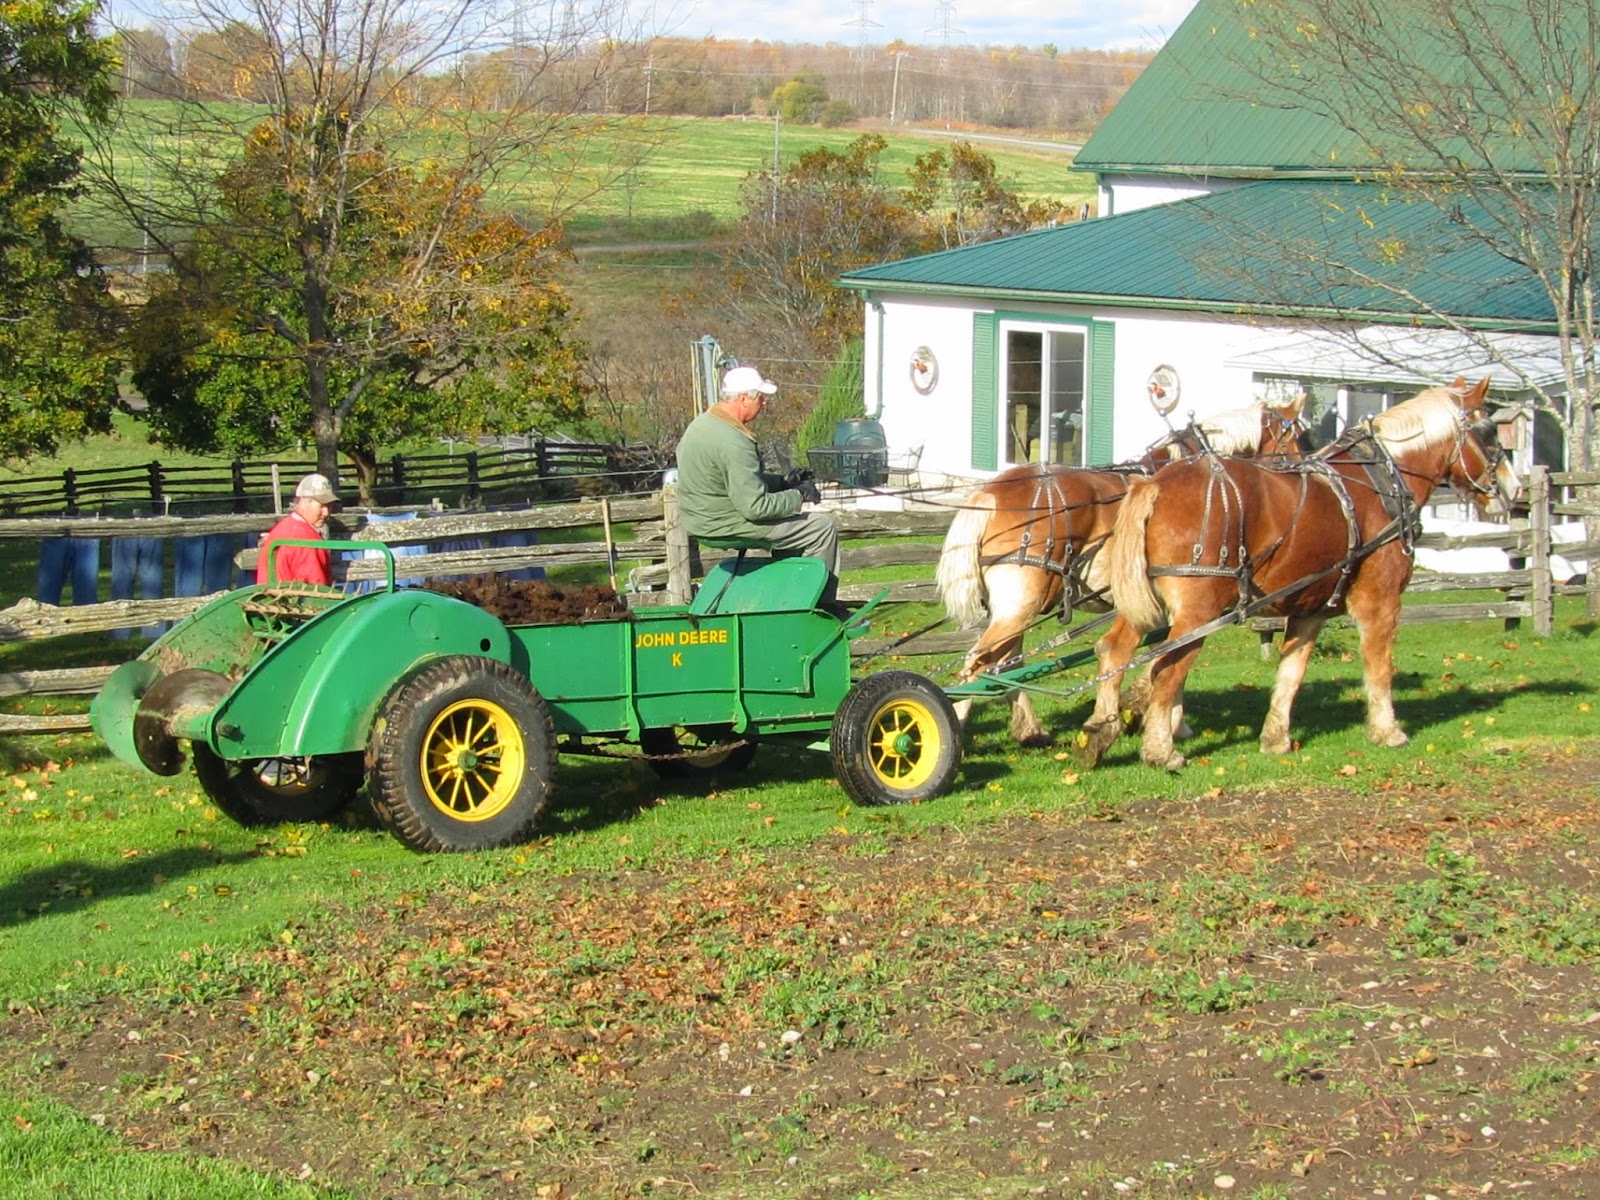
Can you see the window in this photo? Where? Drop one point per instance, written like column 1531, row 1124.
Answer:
column 1043, row 401
column 1066, row 413
column 1330, row 409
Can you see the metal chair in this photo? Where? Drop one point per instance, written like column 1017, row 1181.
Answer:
column 906, row 469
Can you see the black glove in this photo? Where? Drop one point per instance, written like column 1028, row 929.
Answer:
column 808, row 492
column 797, row 476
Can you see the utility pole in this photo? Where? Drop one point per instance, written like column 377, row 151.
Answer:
column 894, row 92
column 777, row 124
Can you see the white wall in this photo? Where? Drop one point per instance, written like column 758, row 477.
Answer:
column 941, row 422
column 1129, row 193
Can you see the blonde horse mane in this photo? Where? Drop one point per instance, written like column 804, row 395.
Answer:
column 1237, row 431
column 1430, row 418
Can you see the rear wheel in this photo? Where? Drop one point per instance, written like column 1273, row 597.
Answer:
column 708, row 750
column 272, row 791
column 895, row 739
column 462, row 756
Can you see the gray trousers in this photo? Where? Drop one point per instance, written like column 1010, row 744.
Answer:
column 812, row 534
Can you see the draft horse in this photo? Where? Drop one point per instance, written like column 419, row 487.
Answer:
column 1031, row 539
column 1207, row 542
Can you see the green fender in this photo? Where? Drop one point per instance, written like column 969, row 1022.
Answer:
column 319, row 690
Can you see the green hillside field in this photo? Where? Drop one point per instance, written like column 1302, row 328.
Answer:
column 686, row 181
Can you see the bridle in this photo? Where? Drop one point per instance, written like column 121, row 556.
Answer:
column 1486, row 441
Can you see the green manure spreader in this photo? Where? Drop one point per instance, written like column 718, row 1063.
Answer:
column 291, row 696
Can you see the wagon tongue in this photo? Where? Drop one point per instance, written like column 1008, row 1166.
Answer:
column 174, row 706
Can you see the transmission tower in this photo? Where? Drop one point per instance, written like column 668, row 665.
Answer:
column 944, row 15
column 863, row 25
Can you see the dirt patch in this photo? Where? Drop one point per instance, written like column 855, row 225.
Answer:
column 1316, row 994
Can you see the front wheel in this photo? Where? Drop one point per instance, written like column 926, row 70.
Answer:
column 895, row 739
column 273, row 791
column 462, row 756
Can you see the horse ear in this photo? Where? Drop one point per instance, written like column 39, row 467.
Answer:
column 1475, row 397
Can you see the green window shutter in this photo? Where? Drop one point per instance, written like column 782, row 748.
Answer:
column 985, row 388
column 1102, row 402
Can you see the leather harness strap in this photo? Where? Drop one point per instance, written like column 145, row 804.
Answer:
column 1358, row 448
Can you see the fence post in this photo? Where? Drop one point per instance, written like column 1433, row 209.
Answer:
column 397, row 467
column 677, row 538
column 541, row 458
column 474, row 492
column 69, row 488
column 157, row 488
column 1542, row 592
column 241, row 502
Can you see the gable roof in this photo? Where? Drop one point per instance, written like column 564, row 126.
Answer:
column 1301, row 249
column 1201, row 108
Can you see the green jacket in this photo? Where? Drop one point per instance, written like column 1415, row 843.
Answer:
column 722, row 491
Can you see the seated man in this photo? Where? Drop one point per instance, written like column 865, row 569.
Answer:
column 314, row 499
column 723, row 493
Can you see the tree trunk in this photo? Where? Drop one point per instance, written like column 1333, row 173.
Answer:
column 365, row 461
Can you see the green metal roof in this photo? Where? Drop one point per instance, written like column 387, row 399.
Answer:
column 1302, row 248
column 1204, row 106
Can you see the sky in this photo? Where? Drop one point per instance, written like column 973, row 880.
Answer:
column 1066, row 24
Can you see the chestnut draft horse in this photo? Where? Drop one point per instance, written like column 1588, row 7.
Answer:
column 1205, row 543
column 1030, row 539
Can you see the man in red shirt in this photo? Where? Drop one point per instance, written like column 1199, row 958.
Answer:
column 314, row 498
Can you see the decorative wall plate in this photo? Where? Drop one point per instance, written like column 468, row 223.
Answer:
column 1164, row 389
column 924, row 370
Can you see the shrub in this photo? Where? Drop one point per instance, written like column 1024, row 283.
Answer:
column 841, row 397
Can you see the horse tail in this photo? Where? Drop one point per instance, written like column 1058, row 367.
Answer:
column 1136, row 601
column 960, row 575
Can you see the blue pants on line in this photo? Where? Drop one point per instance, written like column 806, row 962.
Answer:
column 137, row 566
column 69, row 559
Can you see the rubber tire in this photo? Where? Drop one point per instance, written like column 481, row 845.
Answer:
column 424, row 712
column 899, row 703
column 237, row 788
column 685, row 737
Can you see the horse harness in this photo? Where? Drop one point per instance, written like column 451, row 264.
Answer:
column 1071, row 565
column 1360, row 448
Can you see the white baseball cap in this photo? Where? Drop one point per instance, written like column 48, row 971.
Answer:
column 316, row 487
column 740, row 380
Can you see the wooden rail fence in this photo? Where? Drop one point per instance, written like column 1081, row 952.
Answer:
column 472, row 476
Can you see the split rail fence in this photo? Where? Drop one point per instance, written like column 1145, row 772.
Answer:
column 644, row 531
column 533, row 469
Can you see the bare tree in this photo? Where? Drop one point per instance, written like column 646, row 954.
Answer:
column 1484, row 112
column 329, row 103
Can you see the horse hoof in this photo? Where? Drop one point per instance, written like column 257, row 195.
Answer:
column 1394, row 739
column 1183, row 731
column 1174, row 762
column 1036, row 741
column 1276, row 745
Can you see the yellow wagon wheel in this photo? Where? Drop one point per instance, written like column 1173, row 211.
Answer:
column 462, row 756
column 895, row 738
column 473, row 758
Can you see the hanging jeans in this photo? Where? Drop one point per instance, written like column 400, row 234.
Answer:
column 137, row 566
column 73, row 560
column 204, row 564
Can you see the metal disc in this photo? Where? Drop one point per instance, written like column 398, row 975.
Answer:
column 190, row 689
